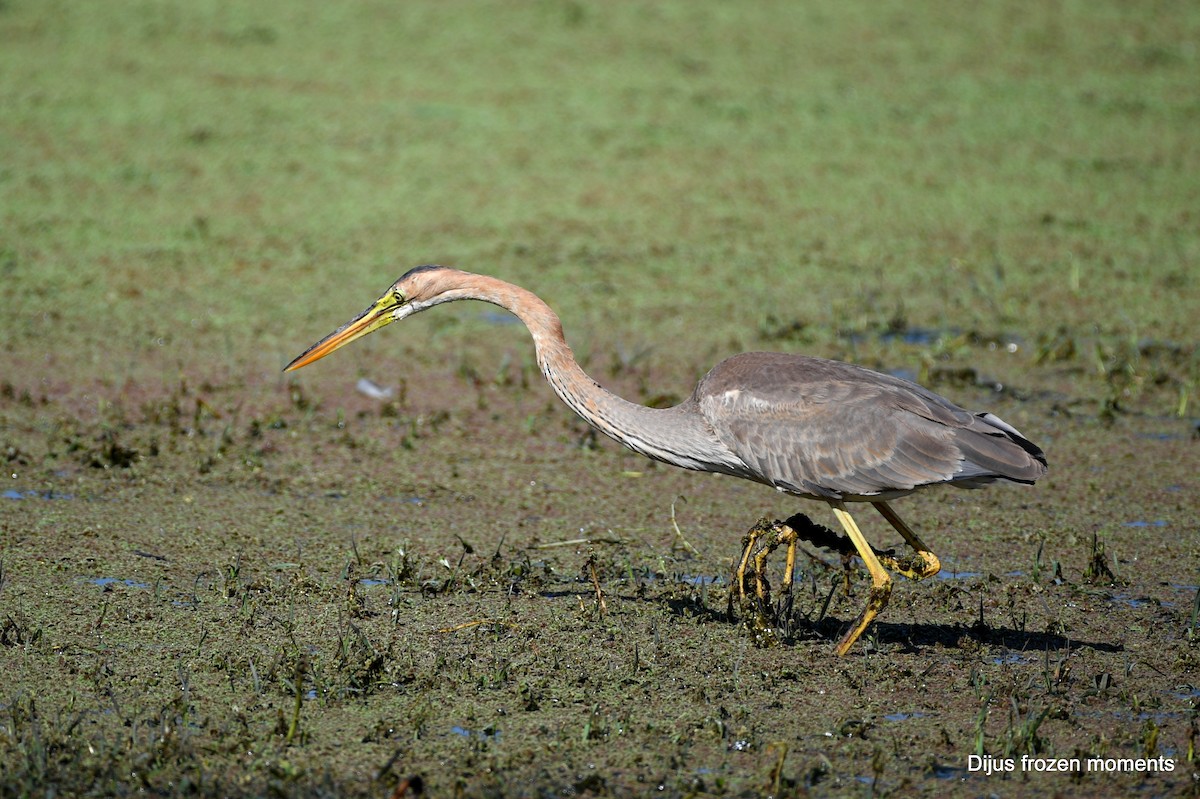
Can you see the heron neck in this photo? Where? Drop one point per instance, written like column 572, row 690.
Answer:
column 673, row 435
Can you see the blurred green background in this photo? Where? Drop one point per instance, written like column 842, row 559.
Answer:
column 209, row 186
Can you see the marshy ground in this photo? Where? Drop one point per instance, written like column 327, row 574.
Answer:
column 218, row 580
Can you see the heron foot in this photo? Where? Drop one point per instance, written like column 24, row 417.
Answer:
column 751, row 591
column 876, row 602
column 917, row 566
column 929, row 563
column 743, row 574
column 738, row 591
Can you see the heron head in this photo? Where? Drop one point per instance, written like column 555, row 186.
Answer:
column 417, row 290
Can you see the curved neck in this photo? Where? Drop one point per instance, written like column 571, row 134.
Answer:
column 677, row 435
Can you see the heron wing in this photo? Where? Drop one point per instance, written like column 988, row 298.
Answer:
column 831, row 429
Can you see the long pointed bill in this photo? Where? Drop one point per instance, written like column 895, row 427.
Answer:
column 375, row 317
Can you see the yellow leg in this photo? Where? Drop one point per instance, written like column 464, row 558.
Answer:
column 881, row 583
column 762, row 589
column 929, row 566
column 739, row 574
column 790, row 536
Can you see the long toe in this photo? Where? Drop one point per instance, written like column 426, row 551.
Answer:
column 878, row 600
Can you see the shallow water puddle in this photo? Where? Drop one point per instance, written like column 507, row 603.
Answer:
column 51, row 494
column 647, row 576
column 1139, row 601
column 104, row 582
column 1157, row 716
column 944, row 772
column 954, row 574
column 486, row 732
column 950, row 571
column 414, row 500
column 1161, row 436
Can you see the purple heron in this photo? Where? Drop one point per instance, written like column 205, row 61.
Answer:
column 809, row 427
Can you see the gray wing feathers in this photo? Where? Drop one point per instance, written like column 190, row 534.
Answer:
column 992, row 447
column 831, row 429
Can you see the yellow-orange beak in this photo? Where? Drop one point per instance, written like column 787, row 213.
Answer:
column 381, row 313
